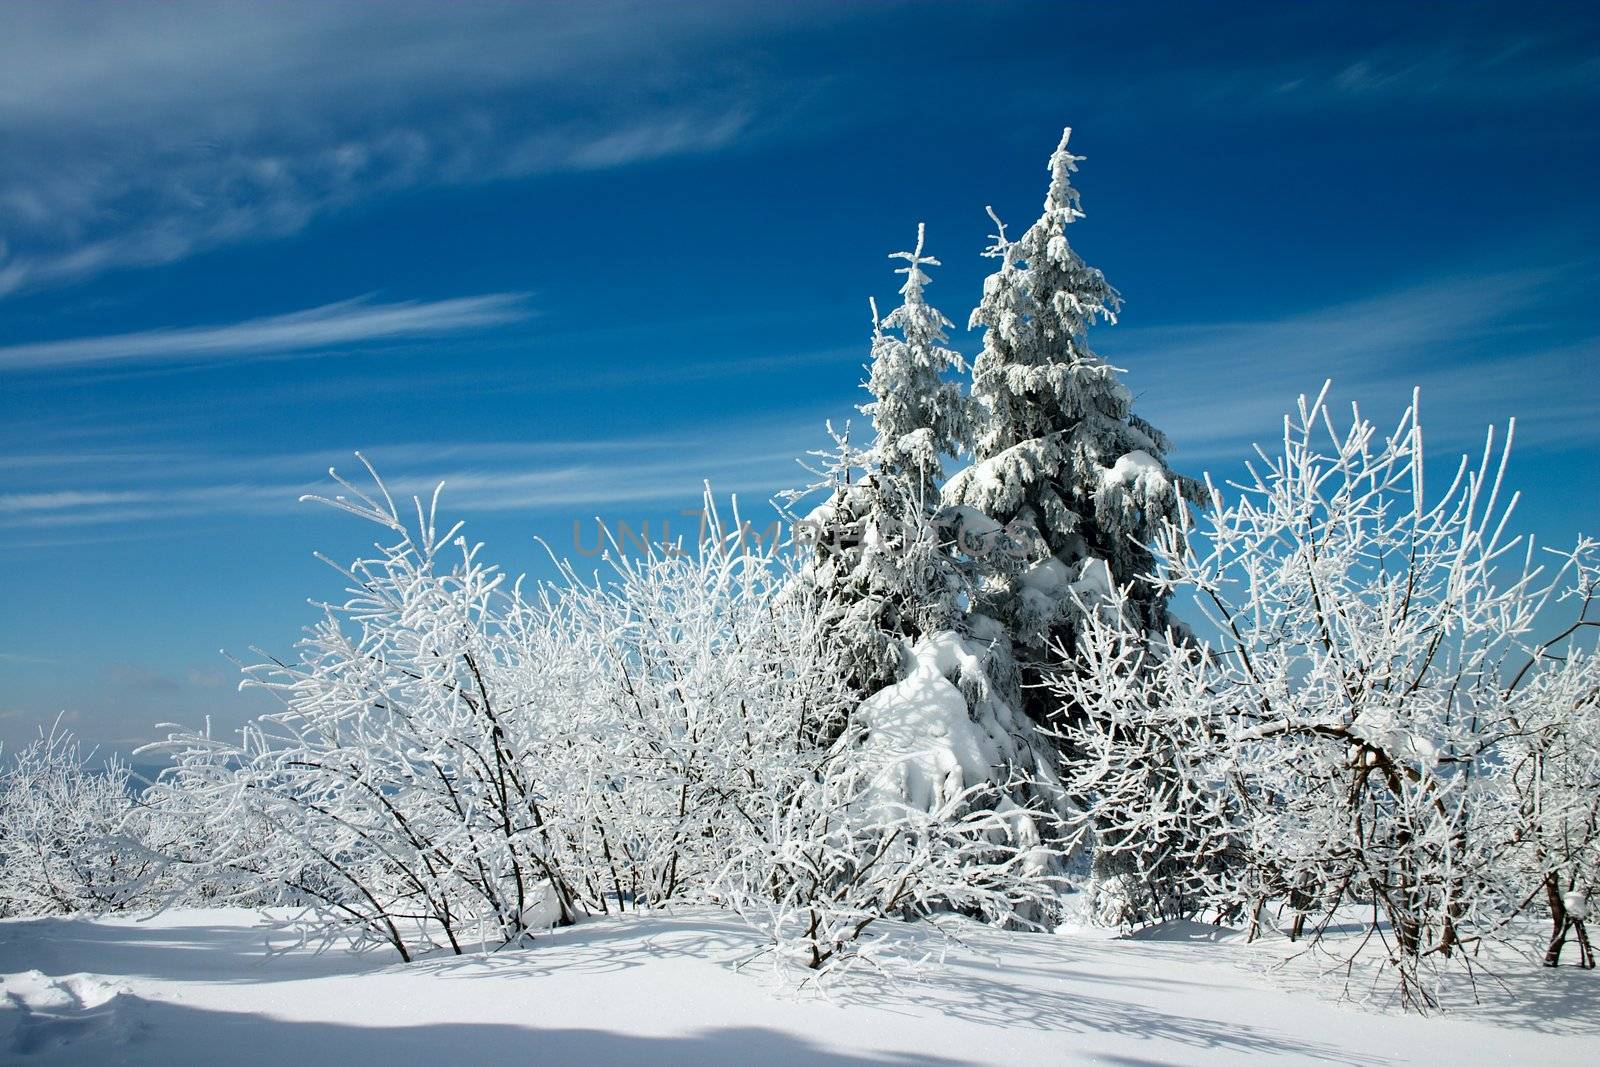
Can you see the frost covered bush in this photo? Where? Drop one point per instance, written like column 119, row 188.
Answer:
column 833, row 854
column 695, row 688
column 402, row 790
column 71, row 836
column 1144, row 766
column 460, row 761
column 1549, row 769
column 1372, row 709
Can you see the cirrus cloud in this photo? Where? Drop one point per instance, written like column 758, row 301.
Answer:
column 347, row 322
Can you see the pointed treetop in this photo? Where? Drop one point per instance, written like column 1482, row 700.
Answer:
column 877, row 323
column 1063, row 164
column 916, row 415
column 915, row 261
column 1001, row 249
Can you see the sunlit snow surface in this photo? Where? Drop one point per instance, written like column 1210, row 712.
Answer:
column 197, row 987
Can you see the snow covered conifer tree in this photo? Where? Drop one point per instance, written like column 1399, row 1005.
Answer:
column 942, row 717
column 1080, row 486
column 879, row 557
column 1061, row 460
column 916, row 414
column 835, row 533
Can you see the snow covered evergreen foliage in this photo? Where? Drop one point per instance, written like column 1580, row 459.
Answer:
column 917, row 415
column 894, row 571
column 1066, row 477
column 1060, row 458
column 874, row 565
column 962, row 625
column 1373, row 709
column 879, row 557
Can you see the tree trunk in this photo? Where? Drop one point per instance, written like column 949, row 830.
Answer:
column 1558, row 921
column 1585, row 949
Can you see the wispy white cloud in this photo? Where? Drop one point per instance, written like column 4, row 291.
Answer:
column 1473, row 344
column 1503, row 71
column 64, row 500
column 140, row 134
column 570, row 478
column 1479, row 346
column 17, row 657
column 163, row 211
column 345, row 323
column 1400, row 59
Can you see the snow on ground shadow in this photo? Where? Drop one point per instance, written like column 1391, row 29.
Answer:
column 197, row 987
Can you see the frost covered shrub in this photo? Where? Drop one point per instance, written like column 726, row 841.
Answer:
column 919, row 806
column 404, row 790
column 735, row 765
column 459, row 762
column 1549, row 771
column 1374, row 721
column 694, row 686
column 830, row 855
column 71, row 837
column 1144, row 765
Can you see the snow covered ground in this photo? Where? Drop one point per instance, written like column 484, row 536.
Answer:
column 196, row 987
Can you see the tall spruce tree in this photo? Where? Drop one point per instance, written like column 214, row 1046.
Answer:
column 886, row 576
column 941, row 717
column 1060, row 458
column 917, row 416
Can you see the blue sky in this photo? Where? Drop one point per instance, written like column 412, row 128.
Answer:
column 572, row 259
